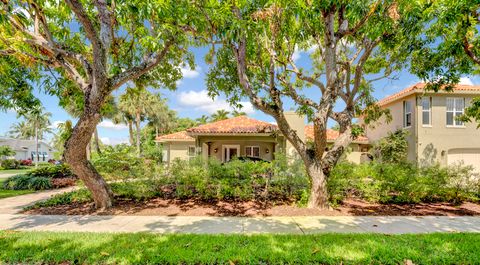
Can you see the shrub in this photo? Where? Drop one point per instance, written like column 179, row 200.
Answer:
column 26, row 162
column 52, row 171
column 6, row 151
column 403, row 183
column 120, row 162
column 237, row 180
column 78, row 196
column 39, row 183
column 392, row 148
column 18, row 182
column 10, row 164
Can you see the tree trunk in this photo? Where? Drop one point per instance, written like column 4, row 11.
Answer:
column 137, row 125
column 319, row 193
column 36, row 144
column 76, row 157
column 130, row 132
column 97, row 141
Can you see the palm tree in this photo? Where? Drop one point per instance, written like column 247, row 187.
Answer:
column 202, row 120
column 21, row 130
column 122, row 117
column 40, row 120
column 221, row 114
column 237, row 113
column 139, row 103
column 161, row 117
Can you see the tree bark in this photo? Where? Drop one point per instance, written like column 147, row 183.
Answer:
column 76, row 157
column 36, row 144
column 97, row 141
column 130, row 132
column 137, row 125
column 319, row 193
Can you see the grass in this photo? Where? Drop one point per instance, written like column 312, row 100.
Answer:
column 11, row 193
column 141, row 248
column 15, row 171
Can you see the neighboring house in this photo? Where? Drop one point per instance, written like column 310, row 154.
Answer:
column 25, row 149
column 244, row 137
column 434, row 133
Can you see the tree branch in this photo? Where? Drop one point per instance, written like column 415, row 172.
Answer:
column 469, row 51
column 344, row 31
column 136, row 71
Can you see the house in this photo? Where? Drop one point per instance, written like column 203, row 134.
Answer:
column 244, row 137
column 435, row 136
column 25, row 149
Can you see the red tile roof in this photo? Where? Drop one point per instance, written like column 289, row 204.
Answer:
column 241, row 124
column 178, row 136
column 419, row 87
column 331, row 135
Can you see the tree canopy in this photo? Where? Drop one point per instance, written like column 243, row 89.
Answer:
column 352, row 44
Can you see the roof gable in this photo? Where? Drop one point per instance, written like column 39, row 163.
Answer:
column 420, row 88
column 240, row 125
column 178, row 136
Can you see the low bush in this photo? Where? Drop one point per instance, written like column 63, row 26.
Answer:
column 25, row 182
column 10, row 164
column 42, row 178
column 39, row 183
column 26, row 162
column 18, row 182
column 403, row 183
column 120, row 162
column 78, row 196
column 52, row 171
column 237, row 180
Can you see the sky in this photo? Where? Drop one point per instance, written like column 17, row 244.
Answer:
column 191, row 99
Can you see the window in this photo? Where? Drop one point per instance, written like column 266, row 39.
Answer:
column 455, row 108
column 191, row 150
column 407, row 114
column 253, row 151
column 427, row 111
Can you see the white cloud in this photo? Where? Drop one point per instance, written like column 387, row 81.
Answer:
column 55, row 124
column 296, row 54
column 113, row 141
column 108, row 124
column 190, row 73
column 201, row 101
column 466, row 81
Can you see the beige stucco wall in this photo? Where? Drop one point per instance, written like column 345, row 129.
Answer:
column 177, row 149
column 381, row 128
column 217, row 142
column 435, row 141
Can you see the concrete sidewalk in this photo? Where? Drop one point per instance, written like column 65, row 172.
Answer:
column 239, row 225
column 12, row 220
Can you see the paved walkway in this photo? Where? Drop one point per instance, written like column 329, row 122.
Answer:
column 10, row 219
column 6, row 175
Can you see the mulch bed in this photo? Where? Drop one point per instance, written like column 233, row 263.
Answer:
column 350, row 207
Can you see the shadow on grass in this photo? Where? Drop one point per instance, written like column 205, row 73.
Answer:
column 44, row 247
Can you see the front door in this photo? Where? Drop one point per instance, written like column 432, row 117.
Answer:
column 230, row 151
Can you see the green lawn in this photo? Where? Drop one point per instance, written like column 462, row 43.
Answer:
column 11, row 193
column 140, row 248
column 14, row 171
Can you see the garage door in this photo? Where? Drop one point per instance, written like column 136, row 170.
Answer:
column 469, row 156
